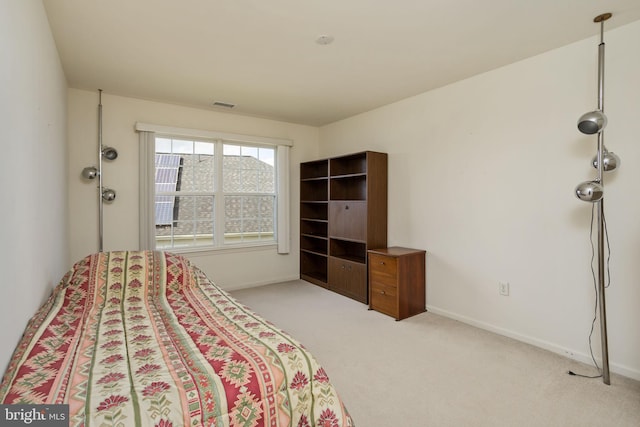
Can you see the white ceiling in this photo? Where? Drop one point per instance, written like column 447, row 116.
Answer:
column 262, row 56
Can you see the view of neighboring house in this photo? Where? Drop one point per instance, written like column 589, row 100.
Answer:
column 185, row 198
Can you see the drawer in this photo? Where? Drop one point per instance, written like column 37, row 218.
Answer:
column 383, row 299
column 383, row 265
column 383, row 289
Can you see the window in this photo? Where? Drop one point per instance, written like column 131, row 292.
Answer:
column 193, row 177
column 207, row 190
column 249, row 185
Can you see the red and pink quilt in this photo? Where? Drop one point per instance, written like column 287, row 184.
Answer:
column 146, row 339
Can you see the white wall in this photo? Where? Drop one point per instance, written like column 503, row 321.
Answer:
column 228, row 269
column 482, row 174
column 34, row 244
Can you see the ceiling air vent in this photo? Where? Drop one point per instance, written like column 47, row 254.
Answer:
column 223, row 104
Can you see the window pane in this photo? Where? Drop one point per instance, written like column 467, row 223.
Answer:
column 204, row 148
column 267, row 181
column 164, row 210
column 232, row 207
column 186, row 165
column 163, row 145
column 186, row 221
column 181, row 146
column 267, row 155
column 204, row 208
column 248, row 218
column 248, row 169
column 232, row 150
column 166, row 180
column 203, row 172
column 250, row 152
column 196, row 173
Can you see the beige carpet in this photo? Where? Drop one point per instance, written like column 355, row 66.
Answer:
column 432, row 371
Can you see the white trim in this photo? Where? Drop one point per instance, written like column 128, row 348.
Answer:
column 198, row 133
column 212, row 250
column 147, row 237
column 146, row 196
column 283, row 200
column 259, row 283
column 554, row 348
column 218, row 201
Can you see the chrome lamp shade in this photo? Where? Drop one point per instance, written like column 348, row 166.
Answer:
column 592, row 122
column 589, row 191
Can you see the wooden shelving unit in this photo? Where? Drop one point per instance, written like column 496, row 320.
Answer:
column 343, row 214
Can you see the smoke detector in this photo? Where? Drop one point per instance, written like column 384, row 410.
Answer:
column 324, row 39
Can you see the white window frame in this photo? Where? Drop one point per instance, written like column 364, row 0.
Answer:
column 148, row 133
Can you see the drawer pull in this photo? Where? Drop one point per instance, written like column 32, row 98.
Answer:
column 346, row 207
column 381, row 262
column 382, row 292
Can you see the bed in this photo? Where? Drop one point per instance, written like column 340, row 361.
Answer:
column 145, row 338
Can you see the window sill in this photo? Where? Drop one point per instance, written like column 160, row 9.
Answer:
column 222, row 250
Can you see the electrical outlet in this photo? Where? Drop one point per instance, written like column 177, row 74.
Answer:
column 503, row 288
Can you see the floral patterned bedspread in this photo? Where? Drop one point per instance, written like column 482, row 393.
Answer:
column 146, row 339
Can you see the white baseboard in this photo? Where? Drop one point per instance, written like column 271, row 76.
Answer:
column 571, row 354
column 271, row 281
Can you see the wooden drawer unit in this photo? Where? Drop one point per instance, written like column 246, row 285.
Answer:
column 397, row 284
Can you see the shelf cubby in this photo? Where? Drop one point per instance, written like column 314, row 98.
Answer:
column 314, row 244
column 315, row 169
column 314, row 190
column 348, row 165
column 313, row 268
column 314, row 210
column 316, row 228
column 349, row 187
column 348, row 250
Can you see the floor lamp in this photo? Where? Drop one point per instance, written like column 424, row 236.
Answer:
column 93, row 172
column 591, row 123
